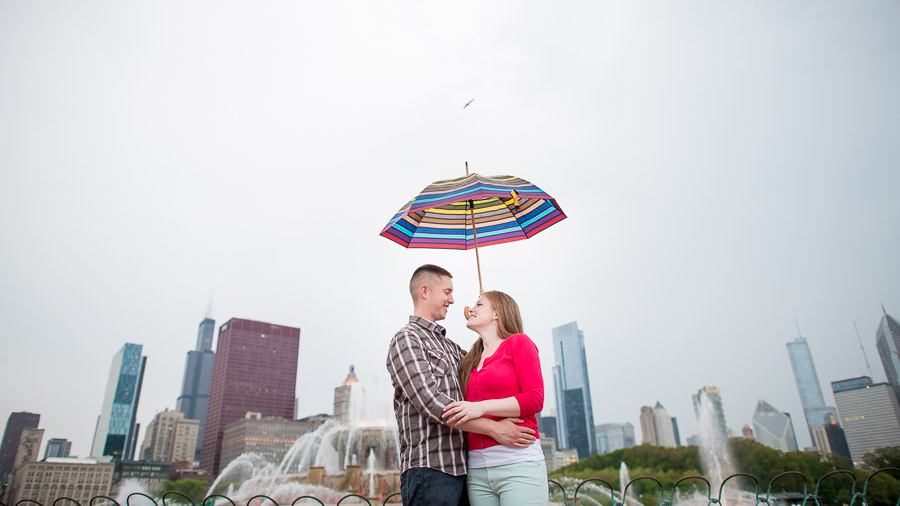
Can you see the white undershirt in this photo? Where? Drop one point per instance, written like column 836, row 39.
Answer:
column 500, row 455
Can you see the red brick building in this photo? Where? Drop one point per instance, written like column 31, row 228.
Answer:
column 255, row 370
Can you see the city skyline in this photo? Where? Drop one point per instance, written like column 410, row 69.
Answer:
column 547, row 409
column 723, row 168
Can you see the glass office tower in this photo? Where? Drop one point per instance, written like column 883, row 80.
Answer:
column 574, row 413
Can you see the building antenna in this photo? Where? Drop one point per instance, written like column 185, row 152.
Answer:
column 863, row 349
column 209, row 302
column 799, row 334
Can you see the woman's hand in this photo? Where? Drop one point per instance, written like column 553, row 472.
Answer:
column 459, row 412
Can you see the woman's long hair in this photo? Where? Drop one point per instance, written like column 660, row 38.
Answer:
column 509, row 322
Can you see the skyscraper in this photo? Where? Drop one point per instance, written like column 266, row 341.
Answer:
column 815, row 411
column 648, row 427
column 198, row 368
column 574, row 413
column 57, row 447
column 888, row 342
column 774, row 428
column 614, row 436
column 170, row 437
column 547, row 429
column 12, row 433
column 829, row 439
column 116, row 432
column 342, row 396
column 657, row 427
column 869, row 414
column 714, row 399
column 255, row 370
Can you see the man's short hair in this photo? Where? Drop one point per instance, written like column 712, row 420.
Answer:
column 426, row 275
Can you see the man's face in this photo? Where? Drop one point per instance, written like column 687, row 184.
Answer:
column 438, row 298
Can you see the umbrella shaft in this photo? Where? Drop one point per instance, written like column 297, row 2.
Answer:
column 475, row 236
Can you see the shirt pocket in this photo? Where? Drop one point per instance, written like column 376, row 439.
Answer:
column 440, row 363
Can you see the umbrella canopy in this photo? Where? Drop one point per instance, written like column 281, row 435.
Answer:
column 505, row 209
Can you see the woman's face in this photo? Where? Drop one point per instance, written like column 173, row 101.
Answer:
column 481, row 315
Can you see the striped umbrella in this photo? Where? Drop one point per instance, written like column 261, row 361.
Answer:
column 473, row 211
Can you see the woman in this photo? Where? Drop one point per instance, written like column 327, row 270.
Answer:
column 501, row 377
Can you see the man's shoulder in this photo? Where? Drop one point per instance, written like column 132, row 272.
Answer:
column 410, row 327
column 408, row 331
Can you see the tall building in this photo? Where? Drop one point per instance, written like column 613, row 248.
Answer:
column 57, row 448
column 116, row 432
column 829, row 439
column 714, row 397
column 774, row 428
column 815, row 411
column 14, row 426
column 614, row 436
column 270, row 436
column 888, row 342
column 870, row 415
column 170, row 437
column 255, row 370
column 747, row 433
column 547, row 429
column 198, row 368
column 656, row 426
column 342, row 396
column 648, row 427
column 677, row 434
column 574, row 413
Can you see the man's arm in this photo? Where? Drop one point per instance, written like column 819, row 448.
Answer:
column 505, row 431
column 413, row 373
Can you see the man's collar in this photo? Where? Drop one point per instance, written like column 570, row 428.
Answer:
column 428, row 324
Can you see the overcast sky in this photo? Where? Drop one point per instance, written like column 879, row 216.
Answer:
column 725, row 166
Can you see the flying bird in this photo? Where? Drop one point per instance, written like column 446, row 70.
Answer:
column 467, row 103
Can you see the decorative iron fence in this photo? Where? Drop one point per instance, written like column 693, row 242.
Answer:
column 615, row 497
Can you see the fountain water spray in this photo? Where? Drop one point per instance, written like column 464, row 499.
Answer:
column 714, row 452
column 367, row 428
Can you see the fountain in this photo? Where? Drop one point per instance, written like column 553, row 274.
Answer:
column 714, row 452
column 325, row 463
column 624, row 478
column 715, row 455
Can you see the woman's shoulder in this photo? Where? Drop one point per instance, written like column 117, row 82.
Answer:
column 521, row 339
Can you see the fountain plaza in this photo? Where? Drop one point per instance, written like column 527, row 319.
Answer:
column 354, row 452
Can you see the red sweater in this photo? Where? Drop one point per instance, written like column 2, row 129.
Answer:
column 514, row 370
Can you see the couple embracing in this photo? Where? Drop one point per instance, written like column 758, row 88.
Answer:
column 459, row 412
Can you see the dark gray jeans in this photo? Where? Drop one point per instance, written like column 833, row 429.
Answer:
column 422, row 486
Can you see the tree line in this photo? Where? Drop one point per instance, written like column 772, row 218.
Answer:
column 668, row 465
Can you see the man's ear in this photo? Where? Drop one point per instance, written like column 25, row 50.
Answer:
column 423, row 292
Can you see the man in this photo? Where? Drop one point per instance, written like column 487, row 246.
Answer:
column 423, row 365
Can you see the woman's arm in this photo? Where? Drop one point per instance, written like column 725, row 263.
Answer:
column 528, row 374
column 529, row 400
column 459, row 412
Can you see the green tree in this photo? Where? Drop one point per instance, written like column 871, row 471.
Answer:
column 195, row 489
column 889, row 456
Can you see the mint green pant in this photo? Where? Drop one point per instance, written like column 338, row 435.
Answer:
column 521, row 484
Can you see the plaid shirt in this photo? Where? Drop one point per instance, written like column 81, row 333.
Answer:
column 424, row 365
